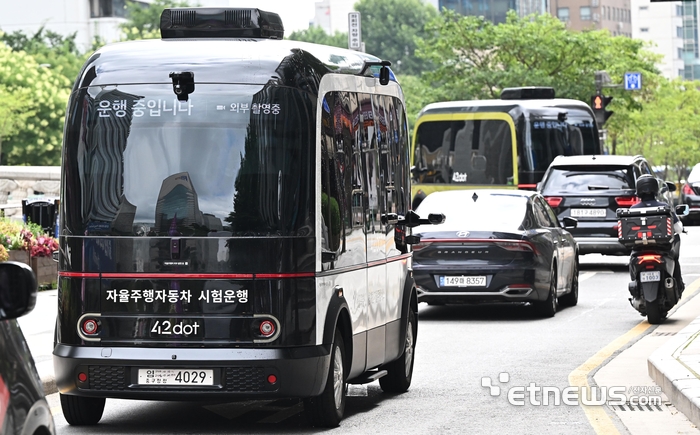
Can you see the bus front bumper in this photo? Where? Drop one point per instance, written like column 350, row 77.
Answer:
column 113, row 372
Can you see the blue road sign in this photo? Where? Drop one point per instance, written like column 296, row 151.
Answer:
column 633, row 81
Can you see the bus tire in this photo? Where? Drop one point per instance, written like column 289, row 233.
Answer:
column 81, row 411
column 327, row 409
column 400, row 371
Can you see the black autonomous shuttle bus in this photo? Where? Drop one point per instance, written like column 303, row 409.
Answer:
column 234, row 221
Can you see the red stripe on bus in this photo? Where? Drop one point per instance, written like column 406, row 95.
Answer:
column 79, row 274
column 398, row 258
column 178, row 275
column 285, row 275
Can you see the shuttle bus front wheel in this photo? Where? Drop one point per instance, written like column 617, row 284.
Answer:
column 327, row 409
column 81, row 411
column 400, row 371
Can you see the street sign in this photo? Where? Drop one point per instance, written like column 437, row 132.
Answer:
column 354, row 31
column 633, row 81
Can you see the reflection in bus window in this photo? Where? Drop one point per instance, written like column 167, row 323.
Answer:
column 464, row 152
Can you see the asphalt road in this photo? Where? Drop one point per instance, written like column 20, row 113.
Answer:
column 457, row 346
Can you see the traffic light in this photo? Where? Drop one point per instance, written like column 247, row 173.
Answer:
column 598, row 104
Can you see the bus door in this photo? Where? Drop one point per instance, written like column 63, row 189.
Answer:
column 374, row 195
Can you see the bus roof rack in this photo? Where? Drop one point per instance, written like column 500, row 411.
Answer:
column 527, row 93
column 220, row 23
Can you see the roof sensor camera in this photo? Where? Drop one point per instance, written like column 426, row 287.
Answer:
column 183, row 84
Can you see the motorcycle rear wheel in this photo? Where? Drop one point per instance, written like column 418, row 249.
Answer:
column 655, row 314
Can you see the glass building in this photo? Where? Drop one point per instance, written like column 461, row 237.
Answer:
column 493, row 10
column 691, row 56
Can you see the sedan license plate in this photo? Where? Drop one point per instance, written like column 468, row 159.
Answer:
column 462, row 281
column 588, row 212
column 650, row 276
column 175, row 377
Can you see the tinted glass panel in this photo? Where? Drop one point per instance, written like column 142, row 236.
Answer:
column 549, row 139
column 582, row 179
column 464, row 152
column 232, row 160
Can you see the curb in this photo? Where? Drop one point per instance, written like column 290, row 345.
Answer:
column 49, row 383
column 676, row 380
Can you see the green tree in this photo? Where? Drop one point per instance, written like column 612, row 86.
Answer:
column 317, row 35
column 49, row 49
column 143, row 22
column 37, row 141
column 476, row 59
column 391, row 30
column 665, row 131
column 16, row 109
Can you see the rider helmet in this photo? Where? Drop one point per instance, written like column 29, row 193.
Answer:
column 647, row 185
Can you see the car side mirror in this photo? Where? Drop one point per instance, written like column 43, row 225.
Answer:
column 682, row 210
column 17, row 290
column 671, row 186
column 570, row 222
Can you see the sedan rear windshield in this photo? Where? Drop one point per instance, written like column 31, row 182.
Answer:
column 588, row 179
column 466, row 210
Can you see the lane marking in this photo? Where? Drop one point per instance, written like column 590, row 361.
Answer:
column 599, row 419
column 585, row 276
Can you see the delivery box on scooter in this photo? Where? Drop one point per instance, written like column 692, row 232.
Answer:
column 638, row 227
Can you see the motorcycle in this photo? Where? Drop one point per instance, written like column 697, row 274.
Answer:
column 649, row 232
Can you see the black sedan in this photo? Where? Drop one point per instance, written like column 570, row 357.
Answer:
column 495, row 246
column 23, row 408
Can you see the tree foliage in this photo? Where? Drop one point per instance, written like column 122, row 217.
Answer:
column 476, row 59
column 666, row 129
column 317, row 35
column 391, row 29
column 143, row 22
column 50, row 49
column 38, row 140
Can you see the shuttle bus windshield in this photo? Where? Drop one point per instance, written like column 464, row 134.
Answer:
column 225, row 162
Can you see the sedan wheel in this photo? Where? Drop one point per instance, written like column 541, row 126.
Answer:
column 571, row 299
column 548, row 308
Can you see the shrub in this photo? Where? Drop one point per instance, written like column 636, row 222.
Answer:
column 16, row 235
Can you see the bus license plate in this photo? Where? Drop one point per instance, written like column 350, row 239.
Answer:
column 650, row 276
column 588, row 212
column 175, row 377
column 462, row 281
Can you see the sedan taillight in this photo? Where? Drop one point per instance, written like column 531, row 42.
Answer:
column 553, row 201
column 626, row 201
column 687, row 190
column 521, row 246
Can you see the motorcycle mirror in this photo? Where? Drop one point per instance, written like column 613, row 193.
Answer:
column 570, row 223
column 682, row 210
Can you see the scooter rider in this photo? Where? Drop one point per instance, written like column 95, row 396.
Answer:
column 647, row 190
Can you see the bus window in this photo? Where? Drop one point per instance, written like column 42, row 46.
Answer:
column 464, row 152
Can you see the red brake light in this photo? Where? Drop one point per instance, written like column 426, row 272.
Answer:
column 649, row 259
column 516, row 245
column 687, row 190
column 553, row 201
column 418, row 246
column 626, row 201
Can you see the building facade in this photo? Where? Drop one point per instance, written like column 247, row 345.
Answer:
column 493, row 10
column 332, row 15
column 613, row 15
column 661, row 23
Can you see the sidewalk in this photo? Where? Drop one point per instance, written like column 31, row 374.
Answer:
column 38, row 328
column 675, row 367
